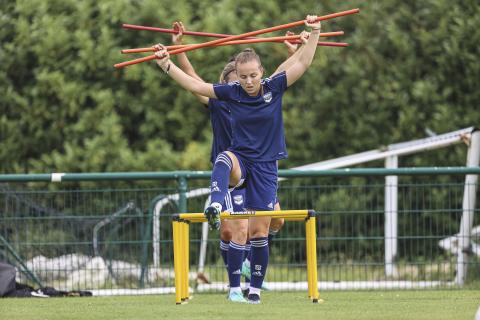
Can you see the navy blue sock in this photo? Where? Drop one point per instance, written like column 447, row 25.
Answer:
column 224, row 251
column 247, row 251
column 220, row 178
column 259, row 261
column 235, row 259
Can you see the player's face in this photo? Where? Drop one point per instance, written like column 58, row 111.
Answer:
column 249, row 75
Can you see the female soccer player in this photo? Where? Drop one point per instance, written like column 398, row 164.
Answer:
column 231, row 249
column 233, row 233
column 258, row 139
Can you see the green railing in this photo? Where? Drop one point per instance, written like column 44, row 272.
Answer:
column 183, row 176
column 47, row 228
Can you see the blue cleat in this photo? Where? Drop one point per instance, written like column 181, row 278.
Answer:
column 237, row 297
column 212, row 215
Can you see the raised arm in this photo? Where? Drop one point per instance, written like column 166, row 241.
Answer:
column 183, row 61
column 294, row 52
column 297, row 69
column 183, row 79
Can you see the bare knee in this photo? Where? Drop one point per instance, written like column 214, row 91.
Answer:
column 258, row 227
column 225, row 231
column 239, row 231
column 277, row 224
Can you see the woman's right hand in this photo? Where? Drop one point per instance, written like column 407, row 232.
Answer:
column 180, row 29
column 162, row 56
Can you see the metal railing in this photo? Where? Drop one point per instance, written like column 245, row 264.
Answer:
column 52, row 221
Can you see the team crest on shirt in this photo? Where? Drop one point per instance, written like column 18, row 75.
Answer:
column 267, row 97
column 238, row 199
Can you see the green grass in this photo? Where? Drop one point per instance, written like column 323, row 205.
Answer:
column 358, row 305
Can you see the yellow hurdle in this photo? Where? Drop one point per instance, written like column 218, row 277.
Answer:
column 181, row 245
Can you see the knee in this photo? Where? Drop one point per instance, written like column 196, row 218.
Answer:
column 258, row 232
column 240, row 236
column 225, row 233
column 277, row 224
column 226, row 158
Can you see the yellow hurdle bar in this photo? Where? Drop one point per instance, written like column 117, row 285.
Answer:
column 181, row 245
column 200, row 217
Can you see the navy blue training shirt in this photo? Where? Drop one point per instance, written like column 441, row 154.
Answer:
column 257, row 122
column 221, row 127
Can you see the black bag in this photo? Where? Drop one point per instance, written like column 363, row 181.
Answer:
column 7, row 279
column 10, row 288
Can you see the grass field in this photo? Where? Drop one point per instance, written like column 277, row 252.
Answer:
column 419, row 305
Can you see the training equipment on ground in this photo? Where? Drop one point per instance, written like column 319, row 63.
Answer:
column 181, row 245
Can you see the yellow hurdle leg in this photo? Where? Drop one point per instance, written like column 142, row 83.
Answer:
column 183, row 265
column 177, row 261
column 313, row 256
column 186, row 259
column 308, row 253
column 182, row 257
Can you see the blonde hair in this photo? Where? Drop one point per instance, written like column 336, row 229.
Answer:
column 247, row 55
column 229, row 68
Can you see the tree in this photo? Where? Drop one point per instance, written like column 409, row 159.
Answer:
column 411, row 66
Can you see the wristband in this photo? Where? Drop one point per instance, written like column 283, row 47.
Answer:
column 167, row 69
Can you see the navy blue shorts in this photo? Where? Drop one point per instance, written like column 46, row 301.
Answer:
column 261, row 182
column 234, row 200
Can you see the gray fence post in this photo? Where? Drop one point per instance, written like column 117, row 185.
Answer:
column 391, row 218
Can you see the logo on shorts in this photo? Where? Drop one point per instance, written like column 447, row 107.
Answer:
column 267, row 97
column 270, row 205
column 238, row 199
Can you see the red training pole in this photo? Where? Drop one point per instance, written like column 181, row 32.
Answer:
column 240, row 36
column 245, row 41
column 163, row 30
column 174, row 47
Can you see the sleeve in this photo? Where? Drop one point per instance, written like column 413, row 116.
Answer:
column 279, row 82
column 212, row 104
column 223, row 91
column 226, row 91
